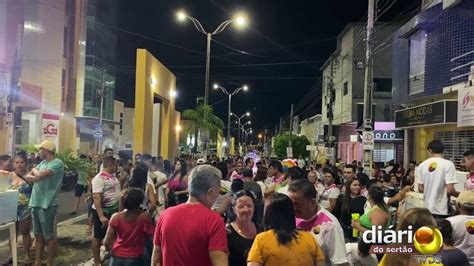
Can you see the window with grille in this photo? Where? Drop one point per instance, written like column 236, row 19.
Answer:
column 455, row 144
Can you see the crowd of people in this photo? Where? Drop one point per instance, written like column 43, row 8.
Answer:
column 246, row 210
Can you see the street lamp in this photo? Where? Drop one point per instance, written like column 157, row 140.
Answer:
column 224, row 90
column 247, row 114
column 173, row 94
column 240, row 21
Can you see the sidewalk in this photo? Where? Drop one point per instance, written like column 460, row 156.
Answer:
column 73, row 246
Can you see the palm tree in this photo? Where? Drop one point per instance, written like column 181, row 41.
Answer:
column 204, row 119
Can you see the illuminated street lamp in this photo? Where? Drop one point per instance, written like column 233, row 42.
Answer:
column 247, row 114
column 240, row 22
column 224, row 90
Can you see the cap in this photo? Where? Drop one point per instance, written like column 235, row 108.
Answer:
column 200, row 161
column 465, row 197
column 47, row 145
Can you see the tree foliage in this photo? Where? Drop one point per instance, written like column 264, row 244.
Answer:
column 299, row 143
column 205, row 119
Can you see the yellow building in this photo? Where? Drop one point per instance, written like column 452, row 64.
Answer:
column 155, row 126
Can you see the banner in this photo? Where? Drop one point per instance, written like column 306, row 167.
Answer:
column 466, row 107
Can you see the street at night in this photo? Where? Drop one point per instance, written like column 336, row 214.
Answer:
column 240, row 133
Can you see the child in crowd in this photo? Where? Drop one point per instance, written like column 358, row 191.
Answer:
column 128, row 230
column 358, row 254
column 450, row 255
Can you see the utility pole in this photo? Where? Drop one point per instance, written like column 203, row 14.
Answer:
column 281, row 125
column 13, row 98
column 265, row 146
column 101, row 112
column 208, row 65
column 368, row 92
column 331, row 92
column 290, row 146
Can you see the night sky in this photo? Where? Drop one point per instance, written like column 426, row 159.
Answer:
column 278, row 56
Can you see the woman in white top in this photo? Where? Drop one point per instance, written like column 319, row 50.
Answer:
column 330, row 193
column 262, row 179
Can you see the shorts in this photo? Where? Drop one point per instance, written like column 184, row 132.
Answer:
column 99, row 228
column 89, row 208
column 79, row 190
column 121, row 261
column 43, row 221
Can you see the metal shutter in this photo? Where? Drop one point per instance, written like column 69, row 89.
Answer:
column 455, row 144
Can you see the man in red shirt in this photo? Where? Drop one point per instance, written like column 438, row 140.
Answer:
column 192, row 234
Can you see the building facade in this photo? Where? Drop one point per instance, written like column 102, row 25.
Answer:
column 432, row 63
column 345, row 70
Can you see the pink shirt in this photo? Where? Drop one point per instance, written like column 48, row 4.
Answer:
column 469, row 186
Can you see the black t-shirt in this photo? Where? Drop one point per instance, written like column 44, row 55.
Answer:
column 239, row 246
column 454, row 257
column 356, row 206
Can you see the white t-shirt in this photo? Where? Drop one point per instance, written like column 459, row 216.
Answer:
column 464, row 240
column 160, row 177
column 329, row 235
column 435, row 173
column 301, row 163
column 109, row 186
column 320, row 189
column 330, row 192
column 355, row 259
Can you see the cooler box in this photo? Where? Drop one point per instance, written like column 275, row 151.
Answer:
column 413, row 200
column 8, row 206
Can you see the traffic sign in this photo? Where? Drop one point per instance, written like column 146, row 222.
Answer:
column 98, row 133
column 368, row 140
column 311, row 147
column 330, row 152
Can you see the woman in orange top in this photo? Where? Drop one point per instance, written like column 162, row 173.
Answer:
column 282, row 244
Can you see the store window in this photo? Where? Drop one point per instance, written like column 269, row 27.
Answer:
column 455, row 144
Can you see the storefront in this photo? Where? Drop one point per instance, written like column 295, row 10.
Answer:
column 388, row 143
column 435, row 120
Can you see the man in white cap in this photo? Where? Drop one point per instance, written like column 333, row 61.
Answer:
column 47, row 178
column 463, row 224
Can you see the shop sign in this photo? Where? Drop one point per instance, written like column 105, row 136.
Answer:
column 50, row 126
column 390, row 135
column 466, row 107
column 435, row 113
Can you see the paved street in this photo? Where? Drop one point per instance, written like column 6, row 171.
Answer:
column 66, row 202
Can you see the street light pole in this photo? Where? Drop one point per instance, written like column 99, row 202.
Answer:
column 239, row 138
column 239, row 20
column 208, row 65
column 368, row 153
column 229, row 113
column 228, row 120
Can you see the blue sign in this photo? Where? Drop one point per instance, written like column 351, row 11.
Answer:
column 98, row 133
